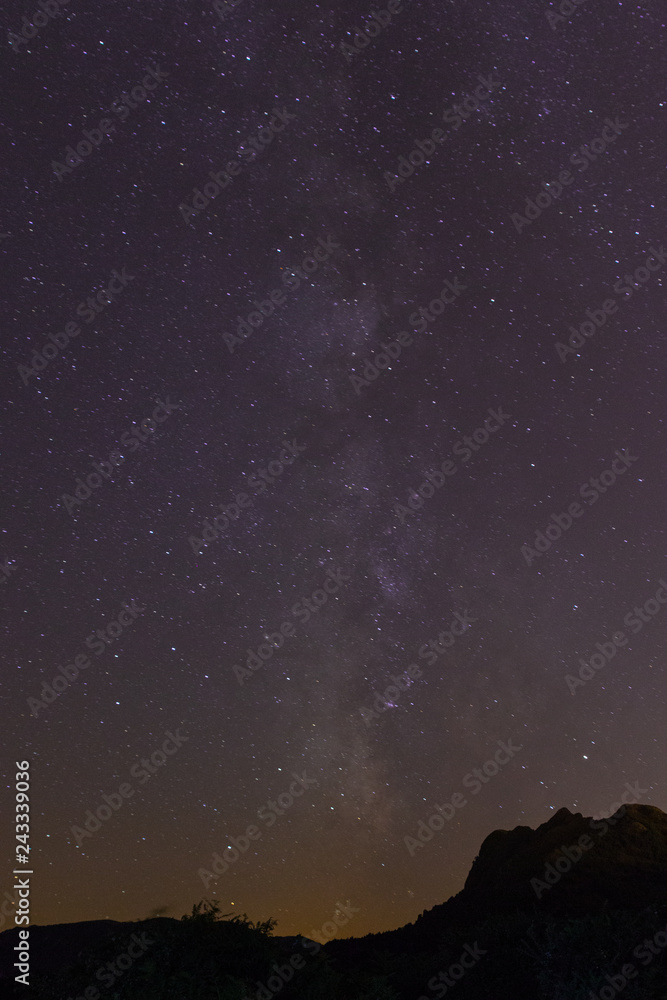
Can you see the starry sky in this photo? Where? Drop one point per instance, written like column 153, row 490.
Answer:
column 172, row 281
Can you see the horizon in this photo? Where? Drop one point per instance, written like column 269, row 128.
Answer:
column 334, row 448
column 621, row 807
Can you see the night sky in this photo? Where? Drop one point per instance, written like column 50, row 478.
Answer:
column 570, row 111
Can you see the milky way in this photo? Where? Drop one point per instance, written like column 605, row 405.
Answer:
column 391, row 252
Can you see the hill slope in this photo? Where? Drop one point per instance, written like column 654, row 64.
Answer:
column 548, row 914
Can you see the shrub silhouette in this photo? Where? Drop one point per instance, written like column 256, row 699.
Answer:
column 560, row 947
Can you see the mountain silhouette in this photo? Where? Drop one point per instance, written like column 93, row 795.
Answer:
column 623, row 861
column 572, row 910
